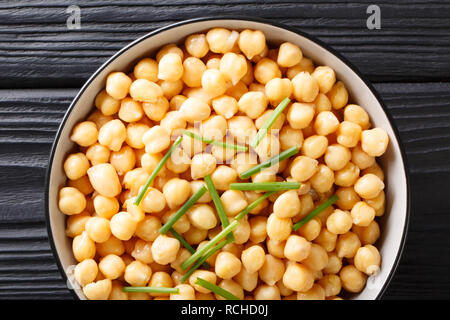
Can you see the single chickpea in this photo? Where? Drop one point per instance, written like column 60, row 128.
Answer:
column 145, row 91
column 76, row 166
column 278, row 228
column 130, row 110
column 170, row 67
column 338, row 95
column 268, row 147
column 106, row 104
column 326, row 240
column 317, row 258
column 248, row 281
column 196, row 45
column 219, row 40
column 298, row 277
column 347, row 198
column 176, row 102
column 289, row 55
column 110, row 246
column 85, row 133
column 358, row 115
column 237, row 91
column 253, row 104
column 186, row 292
column 99, row 290
column 369, row 234
column 277, row 125
column 83, row 247
column 315, row 146
column 195, row 186
column 123, row 160
column 287, row 205
column 251, row 43
column 111, row 266
column 339, row 222
column 98, row 229
column 71, row 201
column 347, row 245
column 331, row 283
column 137, row 273
column 179, row 161
column 368, row 260
column 193, row 71
column 337, row 157
column 253, row 258
column 202, row 216
column 276, row 248
column 104, row 179
column 146, row 68
column 214, row 127
column 374, row 142
column 348, row 134
column 300, row 115
column 277, row 89
column 244, row 161
column 147, row 229
column 234, row 66
column 322, row 103
column 135, row 132
column 267, row 292
column 156, row 110
column 232, row 287
column 303, row 168
column 334, row 264
column 117, row 291
column 234, row 201
column 305, row 87
column 376, row 170
column 222, row 177
column 205, row 275
column 325, row 78
column 266, row 70
column 290, row 137
column 242, row 128
column 117, row 85
column 347, row 176
column 378, row 203
column 227, row 265
column 242, row 232
column 297, row 248
column 194, row 109
column 352, row 279
column 123, row 225
column 307, row 203
column 165, row 249
column 326, row 123
column 369, row 186
column 258, row 229
column 315, row 293
column 75, row 224
column 86, row 272
column 156, row 139
column 253, row 196
column 173, row 121
column 311, row 229
column 225, row 106
column 305, row 65
column 160, row 279
column 362, row 214
column 272, row 270
column 171, row 88
column 97, row 154
column 202, row 164
column 112, row 134
column 214, row 82
column 134, row 180
column 176, row 191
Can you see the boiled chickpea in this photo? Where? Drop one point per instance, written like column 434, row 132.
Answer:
column 75, row 224
column 97, row 154
column 242, row 232
column 322, row 103
column 156, row 110
column 214, row 82
column 315, row 293
column 374, row 142
column 337, row 157
column 317, row 258
column 277, row 125
column 123, row 160
column 220, row 40
column 205, row 275
column 358, row 115
column 134, row 180
column 117, row 85
column 202, row 164
column 298, row 277
column 352, row 279
column 156, row 139
column 237, row 91
column 130, row 110
column 277, row 89
column 142, row 251
column 347, row 245
column 112, row 134
column 253, row 196
column 252, row 43
column 297, row 248
column 117, row 291
column 225, row 106
column 223, row 176
column 287, row 205
column 326, row 123
column 258, row 229
column 193, row 71
column 165, row 249
column 347, row 198
column 71, row 201
column 272, row 270
column 123, row 225
column 267, row 292
column 278, row 228
column 86, row 272
column 305, row 65
column 232, row 287
column 170, row 67
column 112, row 266
column 376, row 170
column 253, row 258
column 362, row 214
column 179, row 161
column 195, row 186
column 227, row 265
column 334, row 263
column 135, row 132
column 85, row 133
column 331, row 284
column 160, row 279
column 197, row 45
column 145, row 91
column 98, row 229
column 176, row 191
column 248, row 281
column 303, row 168
column 76, row 165
column 339, row 222
column 233, row 201
column 368, row 260
column 186, row 292
column 325, row 78
column 346, row 176
column 174, row 120
column 369, row 234
column 314, row 146
column 202, row 216
column 326, row 239
column 146, row 68
column 171, row 88
column 106, row 104
column 83, row 247
column 104, row 179
column 276, row 248
column 242, row 128
column 338, row 95
column 378, row 203
column 290, row 137
column 305, row 87
column 99, row 290
column 369, row 186
column 311, row 229
column 176, row 102
column 253, row 104
column 234, row 66
column 289, row 55
column 348, row 134
column 266, row 70
column 214, row 127
column 300, row 115
column 193, row 109
column 268, row 147
column 137, row 274
column 147, row 229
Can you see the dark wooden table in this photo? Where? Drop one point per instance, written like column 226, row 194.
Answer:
column 43, row 64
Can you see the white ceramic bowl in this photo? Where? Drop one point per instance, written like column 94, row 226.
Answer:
column 395, row 221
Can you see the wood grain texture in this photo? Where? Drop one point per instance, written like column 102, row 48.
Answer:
column 37, row 49
column 29, row 119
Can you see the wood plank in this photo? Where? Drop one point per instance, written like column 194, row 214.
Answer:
column 37, row 49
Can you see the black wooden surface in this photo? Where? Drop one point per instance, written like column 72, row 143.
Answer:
column 43, row 64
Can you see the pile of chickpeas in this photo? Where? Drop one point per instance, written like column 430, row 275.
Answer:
column 224, row 85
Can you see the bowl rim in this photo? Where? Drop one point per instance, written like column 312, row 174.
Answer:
column 240, row 18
